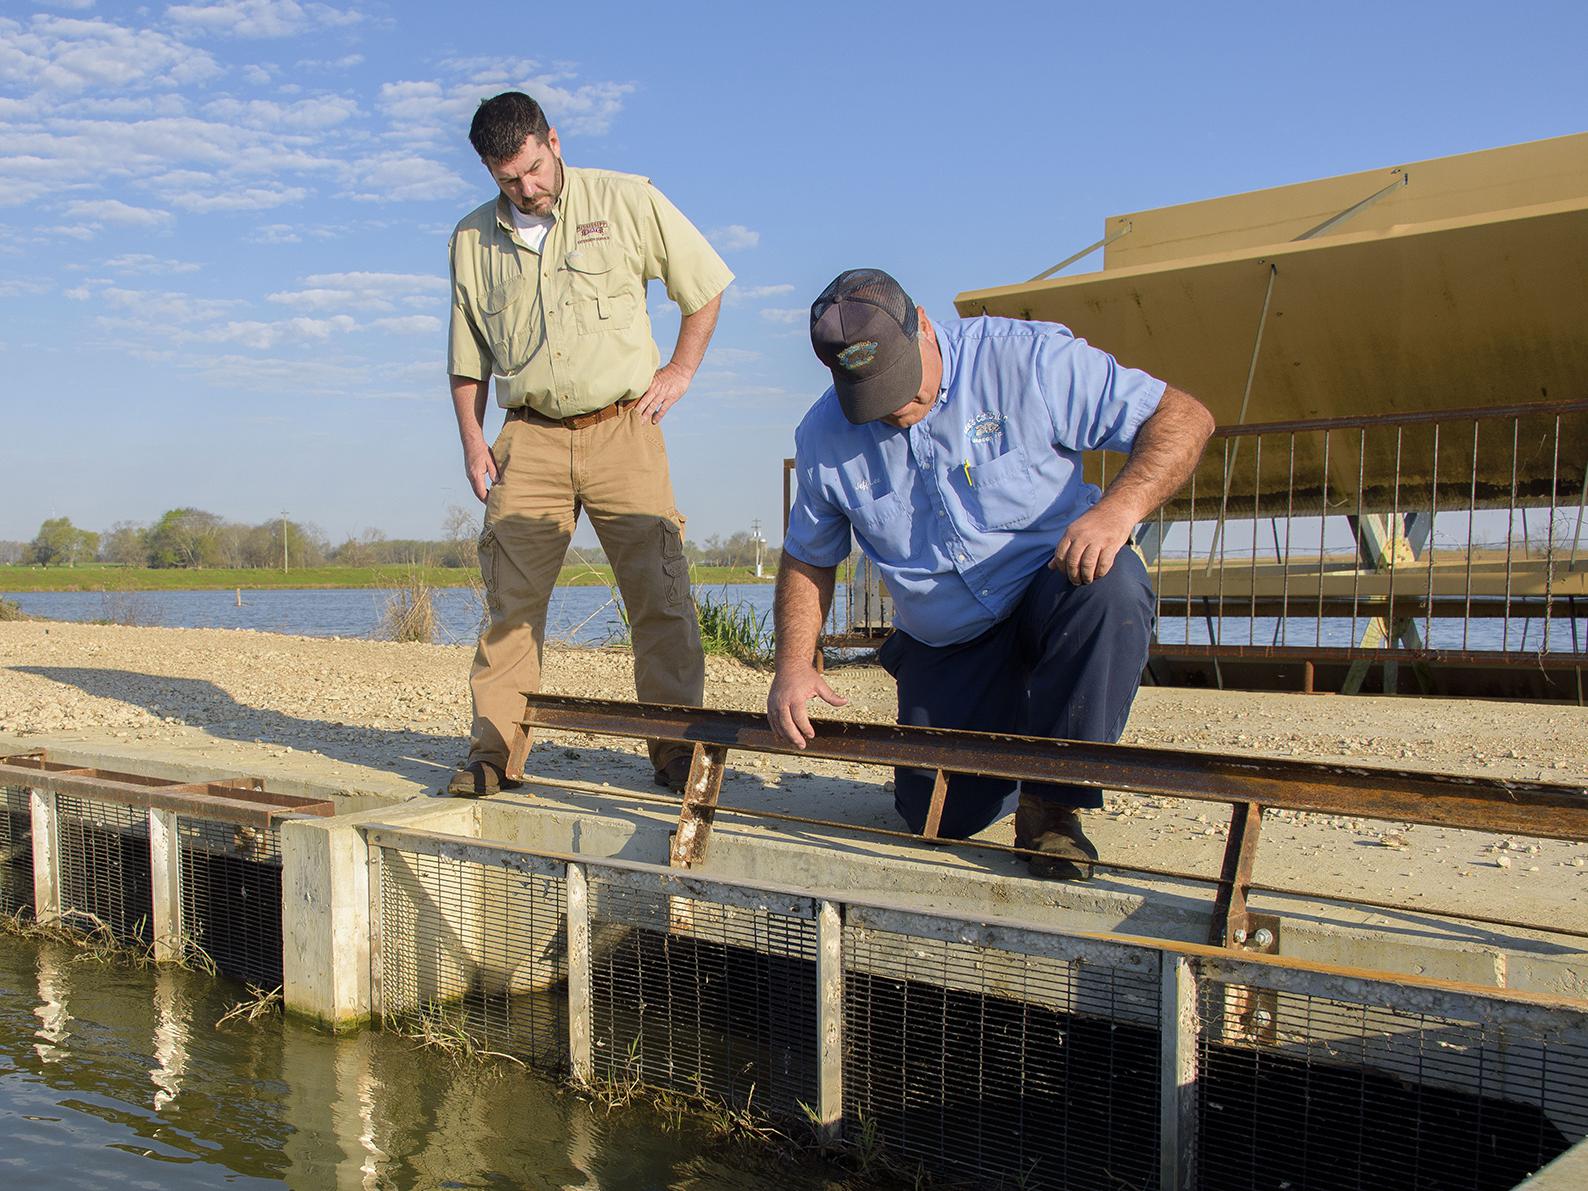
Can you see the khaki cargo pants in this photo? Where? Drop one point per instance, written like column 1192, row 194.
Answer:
column 616, row 471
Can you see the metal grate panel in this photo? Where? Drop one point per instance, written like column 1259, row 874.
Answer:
column 475, row 950
column 16, row 851
column 1301, row 1091
column 231, row 898
column 105, row 874
column 702, row 997
column 1000, row 1066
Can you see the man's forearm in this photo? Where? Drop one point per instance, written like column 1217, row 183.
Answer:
column 1166, row 451
column 468, row 401
column 799, row 606
column 694, row 335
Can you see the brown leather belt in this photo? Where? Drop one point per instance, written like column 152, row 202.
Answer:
column 578, row 422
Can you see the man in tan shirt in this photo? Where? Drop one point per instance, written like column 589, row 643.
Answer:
column 548, row 295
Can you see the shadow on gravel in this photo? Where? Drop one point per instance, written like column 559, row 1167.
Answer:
column 202, row 704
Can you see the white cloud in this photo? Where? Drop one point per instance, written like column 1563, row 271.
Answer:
column 399, row 177
column 323, row 112
column 263, row 336
column 260, row 18
column 258, row 197
column 374, row 292
column 143, row 262
column 276, row 233
column 734, row 238
column 738, row 294
column 785, row 317
column 117, row 213
column 70, row 54
column 411, row 324
column 74, row 231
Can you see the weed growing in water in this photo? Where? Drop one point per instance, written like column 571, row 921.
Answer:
column 410, row 612
column 258, row 1003
column 734, row 628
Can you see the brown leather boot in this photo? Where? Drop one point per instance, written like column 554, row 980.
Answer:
column 1054, row 830
column 479, row 779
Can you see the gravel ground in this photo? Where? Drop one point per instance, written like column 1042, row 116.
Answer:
column 254, row 702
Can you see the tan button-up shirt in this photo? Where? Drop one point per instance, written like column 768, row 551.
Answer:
column 565, row 330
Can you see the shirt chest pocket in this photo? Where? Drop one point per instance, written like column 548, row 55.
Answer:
column 510, row 322
column 998, row 494
column 878, row 517
column 601, row 289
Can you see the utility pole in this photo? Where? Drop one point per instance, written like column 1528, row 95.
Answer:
column 755, row 535
column 283, row 541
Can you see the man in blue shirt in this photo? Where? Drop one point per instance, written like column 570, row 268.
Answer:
column 952, row 452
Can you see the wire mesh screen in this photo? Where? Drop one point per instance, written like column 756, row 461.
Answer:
column 713, row 1000
column 231, row 898
column 474, row 955
column 16, row 851
column 1305, row 1092
column 1007, row 1068
column 104, row 869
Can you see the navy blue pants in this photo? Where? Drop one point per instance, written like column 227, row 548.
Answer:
column 1065, row 664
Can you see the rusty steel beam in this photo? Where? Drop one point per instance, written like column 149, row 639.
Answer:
column 934, row 811
column 699, row 810
column 1543, row 809
column 1479, row 413
column 1492, row 659
column 1235, row 876
column 231, row 800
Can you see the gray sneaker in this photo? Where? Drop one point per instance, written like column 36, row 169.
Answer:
column 1054, row 830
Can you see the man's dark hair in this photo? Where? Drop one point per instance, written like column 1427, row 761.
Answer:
column 503, row 123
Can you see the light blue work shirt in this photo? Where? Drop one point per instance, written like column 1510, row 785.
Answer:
column 960, row 510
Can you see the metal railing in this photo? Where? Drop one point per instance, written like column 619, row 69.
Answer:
column 188, row 871
column 1008, row 1053
column 1449, row 537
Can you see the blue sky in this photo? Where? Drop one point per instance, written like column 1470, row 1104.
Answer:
column 223, row 225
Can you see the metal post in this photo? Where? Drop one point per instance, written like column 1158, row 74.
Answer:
column 830, row 1020
column 580, row 1063
column 701, row 791
column 1177, row 1073
column 165, row 865
column 377, row 964
column 46, row 858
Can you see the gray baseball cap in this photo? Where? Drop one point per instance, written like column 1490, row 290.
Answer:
column 863, row 328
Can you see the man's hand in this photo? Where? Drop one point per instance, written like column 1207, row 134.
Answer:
column 1087, row 550
column 667, row 386
column 792, row 688
column 480, row 466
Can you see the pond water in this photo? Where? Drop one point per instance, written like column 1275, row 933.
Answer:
column 114, row 1075
column 578, row 615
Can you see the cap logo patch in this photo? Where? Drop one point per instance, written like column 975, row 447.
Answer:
column 858, row 355
column 984, row 428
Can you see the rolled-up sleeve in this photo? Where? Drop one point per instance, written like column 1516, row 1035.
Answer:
column 678, row 255
column 818, row 531
column 467, row 353
column 1096, row 403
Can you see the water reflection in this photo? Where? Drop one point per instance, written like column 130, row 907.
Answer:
column 170, row 1038
column 51, row 1010
column 276, row 1103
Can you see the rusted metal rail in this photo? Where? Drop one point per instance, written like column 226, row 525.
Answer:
column 1249, row 784
column 243, row 801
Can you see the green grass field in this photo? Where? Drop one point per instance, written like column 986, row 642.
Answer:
column 113, row 578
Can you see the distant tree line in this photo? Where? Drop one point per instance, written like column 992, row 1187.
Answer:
column 190, row 537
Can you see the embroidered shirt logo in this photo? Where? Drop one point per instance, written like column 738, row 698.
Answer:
column 984, row 428
column 589, row 233
column 858, row 355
